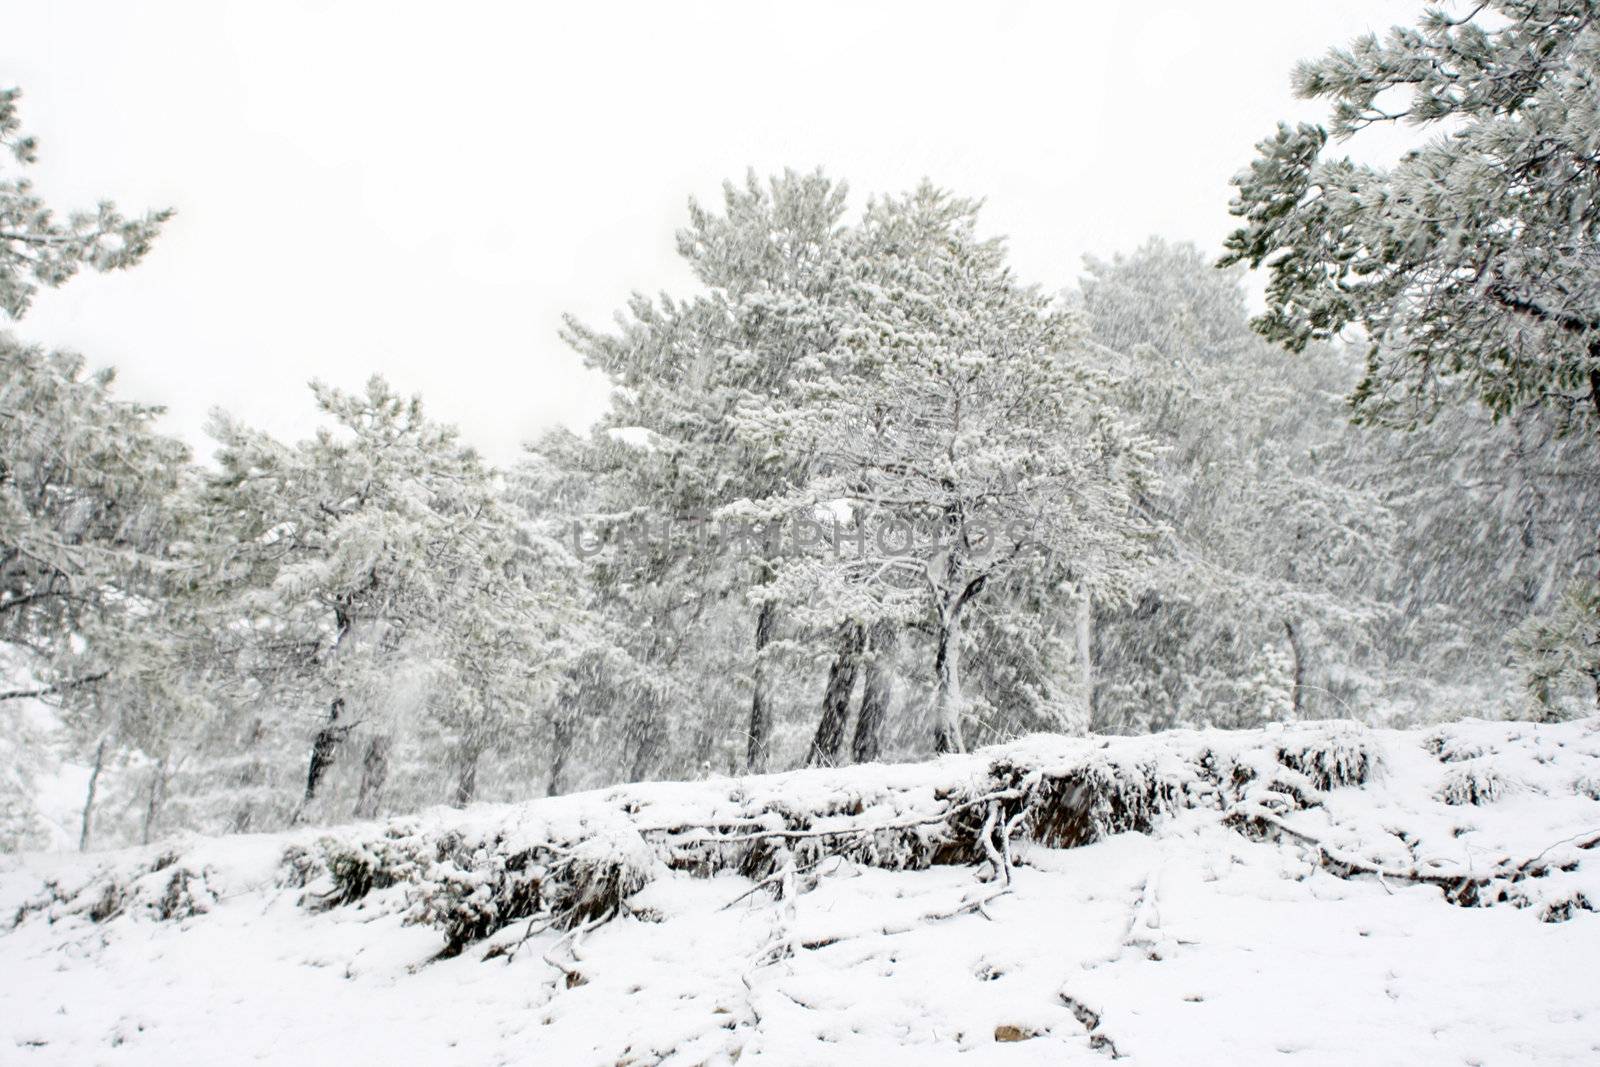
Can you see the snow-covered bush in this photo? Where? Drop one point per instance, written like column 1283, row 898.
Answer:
column 1330, row 754
column 164, row 888
column 1560, row 911
column 1096, row 797
column 1447, row 746
column 1473, row 782
column 342, row 869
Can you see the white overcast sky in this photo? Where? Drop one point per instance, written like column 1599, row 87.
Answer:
column 421, row 190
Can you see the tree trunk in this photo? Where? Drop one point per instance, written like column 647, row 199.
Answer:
column 158, row 789
column 374, row 773
column 563, row 732
column 1085, row 643
column 251, row 775
column 836, row 699
column 1297, row 646
column 759, row 750
column 84, row 832
column 324, row 747
column 467, row 773
column 947, row 699
column 876, row 689
column 560, row 755
column 647, row 737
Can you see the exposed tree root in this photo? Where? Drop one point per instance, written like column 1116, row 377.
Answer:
column 1089, row 1019
column 1463, row 888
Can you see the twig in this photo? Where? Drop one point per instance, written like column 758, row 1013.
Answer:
column 572, row 935
column 510, row 951
column 778, row 876
column 977, row 904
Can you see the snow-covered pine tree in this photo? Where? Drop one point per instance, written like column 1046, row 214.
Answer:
column 1474, row 256
column 565, row 490
column 87, row 516
column 85, row 482
column 684, row 367
column 1472, row 263
column 514, row 616
column 1559, row 650
column 962, row 408
column 342, row 563
column 1270, row 539
column 82, row 477
column 39, row 250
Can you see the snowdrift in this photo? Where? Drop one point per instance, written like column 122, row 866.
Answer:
column 1320, row 889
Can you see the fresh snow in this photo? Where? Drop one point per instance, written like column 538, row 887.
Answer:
column 640, row 437
column 1198, row 942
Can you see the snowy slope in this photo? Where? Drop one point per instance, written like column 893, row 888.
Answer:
column 1319, row 894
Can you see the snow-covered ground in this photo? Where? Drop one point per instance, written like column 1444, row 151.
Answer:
column 1283, row 896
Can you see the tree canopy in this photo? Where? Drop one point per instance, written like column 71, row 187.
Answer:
column 1472, row 263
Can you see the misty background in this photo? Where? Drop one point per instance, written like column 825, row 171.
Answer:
column 370, row 188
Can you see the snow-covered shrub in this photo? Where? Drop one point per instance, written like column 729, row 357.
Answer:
column 343, row 869
column 1448, row 747
column 1283, row 789
column 1559, row 911
column 1330, row 754
column 601, row 873
column 1101, row 795
column 1587, row 786
column 473, row 892
column 165, row 888
column 472, row 885
column 1472, row 782
column 186, row 894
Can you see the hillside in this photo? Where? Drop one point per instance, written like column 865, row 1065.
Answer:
column 1313, row 894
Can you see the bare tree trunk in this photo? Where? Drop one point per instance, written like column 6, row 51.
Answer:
column 836, row 699
column 876, row 689
column 467, row 773
column 564, row 734
column 646, row 733
column 157, row 791
column 1085, row 643
column 948, row 701
column 84, row 832
column 1297, row 645
column 324, row 747
column 759, row 750
column 947, row 698
column 374, row 773
column 252, row 774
